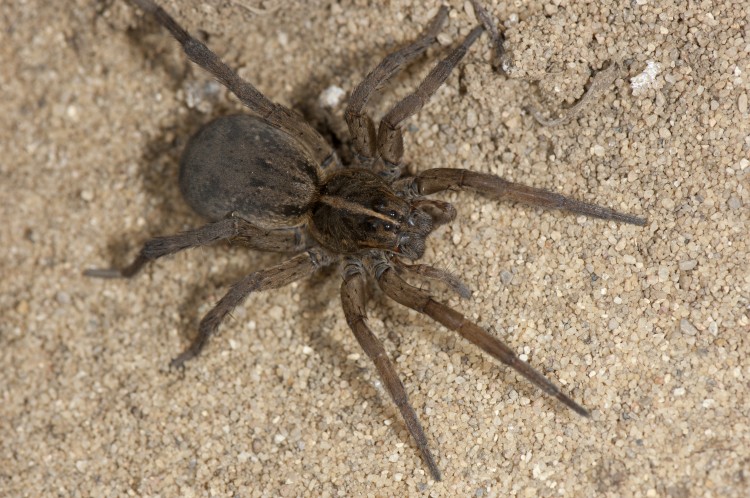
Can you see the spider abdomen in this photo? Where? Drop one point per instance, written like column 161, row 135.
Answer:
column 240, row 163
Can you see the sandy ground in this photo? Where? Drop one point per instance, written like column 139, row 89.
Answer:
column 647, row 327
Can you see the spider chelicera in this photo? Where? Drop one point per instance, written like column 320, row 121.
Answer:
column 271, row 182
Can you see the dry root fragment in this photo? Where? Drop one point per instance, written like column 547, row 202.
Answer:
column 600, row 82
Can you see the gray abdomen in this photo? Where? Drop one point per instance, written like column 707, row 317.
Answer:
column 241, row 164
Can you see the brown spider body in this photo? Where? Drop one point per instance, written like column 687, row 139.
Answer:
column 272, row 182
column 241, row 165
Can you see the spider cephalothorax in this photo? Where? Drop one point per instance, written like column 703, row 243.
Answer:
column 271, row 182
column 357, row 210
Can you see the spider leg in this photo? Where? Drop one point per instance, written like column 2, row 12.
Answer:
column 277, row 276
column 433, row 273
column 360, row 124
column 439, row 179
column 232, row 228
column 353, row 303
column 390, row 139
column 275, row 114
column 411, row 297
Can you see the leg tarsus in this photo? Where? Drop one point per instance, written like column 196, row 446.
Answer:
column 194, row 349
column 125, row 272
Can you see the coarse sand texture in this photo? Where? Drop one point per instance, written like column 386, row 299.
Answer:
column 646, row 327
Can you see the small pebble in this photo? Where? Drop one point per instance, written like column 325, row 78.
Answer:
column 687, row 328
column 22, row 307
column 688, row 265
column 331, row 96
column 62, row 297
column 742, row 103
column 506, row 277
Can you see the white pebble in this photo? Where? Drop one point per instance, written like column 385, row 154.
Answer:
column 331, row 96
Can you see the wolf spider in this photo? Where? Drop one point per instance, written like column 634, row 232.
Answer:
column 271, row 182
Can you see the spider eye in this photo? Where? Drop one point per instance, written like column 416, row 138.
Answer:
column 383, row 207
column 375, row 225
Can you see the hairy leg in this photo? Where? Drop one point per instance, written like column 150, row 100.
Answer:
column 401, row 292
column 360, row 124
column 232, row 228
column 390, row 139
column 277, row 276
column 275, row 114
column 353, row 303
column 439, row 179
